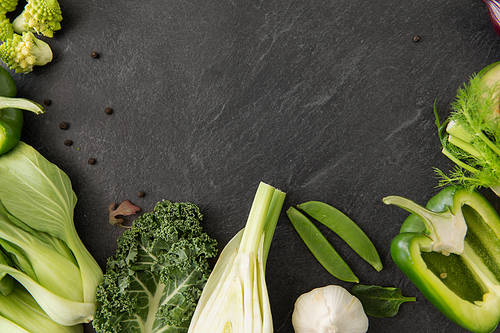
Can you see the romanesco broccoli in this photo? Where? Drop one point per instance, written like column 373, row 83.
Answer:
column 41, row 16
column 6, row 29
column 7, row 6
column 22, row 53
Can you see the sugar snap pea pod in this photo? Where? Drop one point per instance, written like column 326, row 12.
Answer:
column 346, row 228
column 320, row 247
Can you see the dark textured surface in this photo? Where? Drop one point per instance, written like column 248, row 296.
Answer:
column 328, row 100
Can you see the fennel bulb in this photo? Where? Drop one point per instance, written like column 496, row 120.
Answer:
column 235, row 298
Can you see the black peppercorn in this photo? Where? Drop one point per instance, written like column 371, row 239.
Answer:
column 94, row 55
column 63, row 125
column 92, row 161
column 68, row 142
column 416, row 39
column 108, row 110
column 141, row 194
column 47, row 102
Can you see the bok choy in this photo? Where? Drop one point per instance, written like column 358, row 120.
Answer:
column 38, row 236
column 235, row 298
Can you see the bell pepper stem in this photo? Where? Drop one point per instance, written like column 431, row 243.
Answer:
column 20, row 103
column 413, row 208
column 447, row 230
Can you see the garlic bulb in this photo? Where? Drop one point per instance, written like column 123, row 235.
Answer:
column 330, row 309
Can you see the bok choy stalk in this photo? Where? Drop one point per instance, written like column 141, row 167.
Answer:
column 235, row 298
column 38, row 235
column 19, row 313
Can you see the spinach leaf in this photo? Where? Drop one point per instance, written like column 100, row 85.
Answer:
column 379, row 301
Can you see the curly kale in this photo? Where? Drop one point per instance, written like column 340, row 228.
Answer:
column 154, row 280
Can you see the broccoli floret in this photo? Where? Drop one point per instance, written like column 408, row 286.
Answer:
column 22, row 53
column 6, row 29
column 41, row 16
column 7, row 6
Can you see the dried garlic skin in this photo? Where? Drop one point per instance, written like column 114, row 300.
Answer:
column 330, row 309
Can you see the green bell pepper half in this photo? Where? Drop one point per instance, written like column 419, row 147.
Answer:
column 465, row 286
column 11, row 116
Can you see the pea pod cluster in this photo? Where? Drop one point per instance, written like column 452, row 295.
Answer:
column 319, row 246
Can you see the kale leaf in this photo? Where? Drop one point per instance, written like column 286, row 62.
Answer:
column 154, row 280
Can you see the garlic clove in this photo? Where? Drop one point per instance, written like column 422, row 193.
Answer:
column 330, row 309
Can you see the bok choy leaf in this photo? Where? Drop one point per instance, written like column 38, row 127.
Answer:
column 38, row 235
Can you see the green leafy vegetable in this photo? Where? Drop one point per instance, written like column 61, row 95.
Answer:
column 38, row 235
column 235, row 298
column 380, row 301
column 155, row 278
column 319, row 246
column 471, row 135
column 345, row 228
column 19, row 313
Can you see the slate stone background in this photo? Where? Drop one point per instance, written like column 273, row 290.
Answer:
column 328, row 100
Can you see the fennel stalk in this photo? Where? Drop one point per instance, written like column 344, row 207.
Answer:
column 235, row 298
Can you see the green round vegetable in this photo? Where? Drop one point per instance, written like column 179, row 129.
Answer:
column 11, row 120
